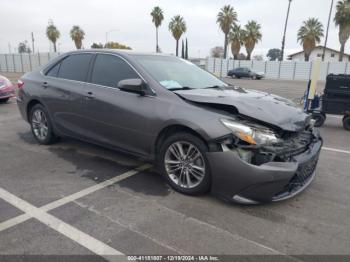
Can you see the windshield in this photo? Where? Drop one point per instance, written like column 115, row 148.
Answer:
column 176, row 73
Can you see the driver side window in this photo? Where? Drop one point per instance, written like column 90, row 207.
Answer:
column 109, row 70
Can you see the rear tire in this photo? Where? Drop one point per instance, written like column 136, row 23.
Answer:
column 41, row 125
column 4, row 100
column 346, row 123
column 319, row 118
column 187, row 172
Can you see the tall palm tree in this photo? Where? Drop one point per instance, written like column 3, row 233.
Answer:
column 157, row 18
column 177, row 26
column 226, row 18
column 77, row 34
column 236, row 40
column 309, row 35
column 52, row 34
column 342, row 19
column 251, row 36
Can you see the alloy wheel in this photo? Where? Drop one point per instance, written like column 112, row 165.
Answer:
column 39, row 124
column 184, row 164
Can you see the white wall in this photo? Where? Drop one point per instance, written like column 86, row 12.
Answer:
column 289, row 70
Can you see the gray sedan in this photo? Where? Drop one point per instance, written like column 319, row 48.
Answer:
column 204, row 135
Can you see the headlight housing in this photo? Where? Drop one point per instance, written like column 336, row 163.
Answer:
column 252, row 134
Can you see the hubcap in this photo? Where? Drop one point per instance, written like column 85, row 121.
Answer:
column 39, row 124
column 184, row 164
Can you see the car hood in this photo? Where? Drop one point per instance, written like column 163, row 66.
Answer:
column 265, row 107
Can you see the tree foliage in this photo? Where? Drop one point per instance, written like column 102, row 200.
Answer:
column 274, row 54
column 77, row 34
column 97, row 46
column 23, row 47
column 226, row 18
column 116, row 45
column 157, row 18
column 310, row 34
column 52, row 34
column 236, row 39
column 251, row 36
column 177, row 27
column 342, row 19
column 217, row 52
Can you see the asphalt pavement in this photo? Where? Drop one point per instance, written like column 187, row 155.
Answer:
column 73, row 198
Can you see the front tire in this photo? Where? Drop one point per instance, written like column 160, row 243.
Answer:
column 41, row 125
column 346, row 123
column 183, row 163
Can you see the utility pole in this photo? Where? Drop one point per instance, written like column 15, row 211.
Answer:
column 285, row 31
column 9, row 48
column 326, row 39
column 33, row 50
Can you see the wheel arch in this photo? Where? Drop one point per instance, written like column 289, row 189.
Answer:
column 30, row 105
column 173, row 129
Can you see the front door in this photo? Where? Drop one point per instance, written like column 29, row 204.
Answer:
column 116, row 117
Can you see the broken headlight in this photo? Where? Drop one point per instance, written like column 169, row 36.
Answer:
column 252, row 134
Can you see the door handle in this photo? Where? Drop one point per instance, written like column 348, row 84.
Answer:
column 45, row 85
column 89, row 95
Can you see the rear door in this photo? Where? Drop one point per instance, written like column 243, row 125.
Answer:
column 64, row 85
column 114, row 117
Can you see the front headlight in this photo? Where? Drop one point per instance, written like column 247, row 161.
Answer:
column 251, row 134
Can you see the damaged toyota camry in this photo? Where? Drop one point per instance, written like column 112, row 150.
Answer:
column 203, row 134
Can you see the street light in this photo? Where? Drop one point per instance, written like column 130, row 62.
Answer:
column 110, row 31
column 326, row 39
column 285, row 31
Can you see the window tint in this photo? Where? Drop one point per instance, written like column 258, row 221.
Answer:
column 75, row 67
column 54, row 70
column 109, row 70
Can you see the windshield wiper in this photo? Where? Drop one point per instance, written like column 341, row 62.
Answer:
column 180, row 88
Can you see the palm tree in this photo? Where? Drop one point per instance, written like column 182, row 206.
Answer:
column 342, row 19
column 236, row 40
column 177, row 26
column 226, row 18
column 52, row 34
column 157, row 18
column 77, row 34
column 251, row 36
column 309, row 35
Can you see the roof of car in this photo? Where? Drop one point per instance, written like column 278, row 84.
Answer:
column 118, row 51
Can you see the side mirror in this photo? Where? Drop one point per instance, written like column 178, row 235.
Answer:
column 133, row 85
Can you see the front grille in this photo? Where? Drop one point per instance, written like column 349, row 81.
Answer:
column 299, row 180
column 303, row 175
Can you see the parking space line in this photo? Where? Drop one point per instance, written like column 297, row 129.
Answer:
column 41, row 214
column 335, row 150
column 58, row 225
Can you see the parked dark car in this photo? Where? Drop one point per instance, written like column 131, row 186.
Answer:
column 203, row 134
column 245, row 72
column 7, row 90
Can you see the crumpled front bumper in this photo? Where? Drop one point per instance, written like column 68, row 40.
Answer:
column 236, row 180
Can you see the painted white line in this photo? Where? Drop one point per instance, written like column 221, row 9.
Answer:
column 83, row 239
column 58, row 225
column 94, row 188
column 335, row 150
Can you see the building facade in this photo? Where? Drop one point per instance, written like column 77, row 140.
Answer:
column 331, row 55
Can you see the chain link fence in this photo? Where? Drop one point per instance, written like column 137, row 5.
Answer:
column 21, row 63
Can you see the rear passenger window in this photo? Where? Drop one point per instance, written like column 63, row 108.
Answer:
column 54, row 70
column 75, row 67
column 109, row 70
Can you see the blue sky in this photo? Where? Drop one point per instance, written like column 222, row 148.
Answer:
column 134, row 26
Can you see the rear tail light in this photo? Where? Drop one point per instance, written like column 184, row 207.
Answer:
column 20, row 83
